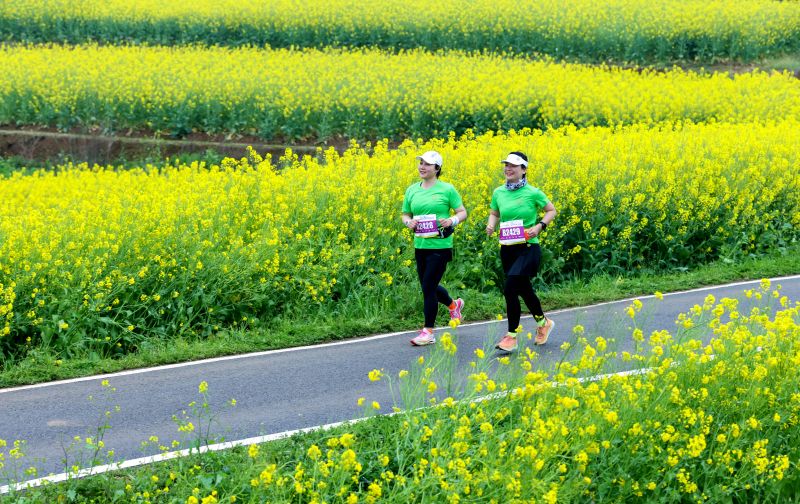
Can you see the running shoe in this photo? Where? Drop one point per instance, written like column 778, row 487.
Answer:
column 508, row 343
column 543, row 332
column 456, row 312
column 423, row 338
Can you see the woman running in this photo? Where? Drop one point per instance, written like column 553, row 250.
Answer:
column 426, row 211
column 516, row 206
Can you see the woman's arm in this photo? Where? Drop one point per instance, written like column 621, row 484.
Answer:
column 409, row 221
column 460, row 216
column 491, row 225
column 550, row 213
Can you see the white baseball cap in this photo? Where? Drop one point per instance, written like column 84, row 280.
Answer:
column 515, row 160
column 431, row 157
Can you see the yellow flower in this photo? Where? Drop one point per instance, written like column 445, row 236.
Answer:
column 252, row 451
column 314, row 452
column 203, row 387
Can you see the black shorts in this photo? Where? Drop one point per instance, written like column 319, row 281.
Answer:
column 446, row 254
column 522, row 259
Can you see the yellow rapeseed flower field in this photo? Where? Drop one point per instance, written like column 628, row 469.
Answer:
column 622, row 30
column 104, row 257
column 365, row 93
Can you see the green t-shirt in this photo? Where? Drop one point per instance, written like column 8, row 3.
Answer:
column 525, row 203
column 437, row 200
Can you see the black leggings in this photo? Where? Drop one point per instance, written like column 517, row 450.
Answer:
column 431, row 264
column 520, row 263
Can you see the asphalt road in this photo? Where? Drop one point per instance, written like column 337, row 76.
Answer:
column 283, row 390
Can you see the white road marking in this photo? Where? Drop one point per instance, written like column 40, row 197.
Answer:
column 356, row 340
column 163, row 457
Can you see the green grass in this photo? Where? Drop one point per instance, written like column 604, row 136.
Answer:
column 786, row 62
column 401, row 312
column 790, row 62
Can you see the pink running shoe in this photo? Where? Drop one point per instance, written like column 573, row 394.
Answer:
column 423, row 338
column 456, row 312
column 508, row 343
column 543, row 332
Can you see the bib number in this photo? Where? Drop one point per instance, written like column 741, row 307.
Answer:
column 512, row 232
column 427, row 226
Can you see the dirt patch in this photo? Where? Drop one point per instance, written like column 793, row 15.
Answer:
column 46, row 144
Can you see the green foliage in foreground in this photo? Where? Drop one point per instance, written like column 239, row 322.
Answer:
column 711, row 419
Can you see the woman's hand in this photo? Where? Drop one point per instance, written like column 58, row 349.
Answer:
column 445, row 222
column 489, row 230
column 533, row 231
column 411, row 224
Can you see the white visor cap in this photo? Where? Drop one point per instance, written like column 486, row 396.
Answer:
column 515, row 160
column 431, row 157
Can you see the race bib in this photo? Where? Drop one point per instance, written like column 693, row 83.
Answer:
column 512, row 232
column 427, row 226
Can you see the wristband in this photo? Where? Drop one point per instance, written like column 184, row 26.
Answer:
column 544, row 225
column 454, row 220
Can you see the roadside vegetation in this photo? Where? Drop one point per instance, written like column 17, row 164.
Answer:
column 704, row 419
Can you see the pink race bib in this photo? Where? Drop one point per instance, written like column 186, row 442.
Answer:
column 427, row 226
column 512, row 232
